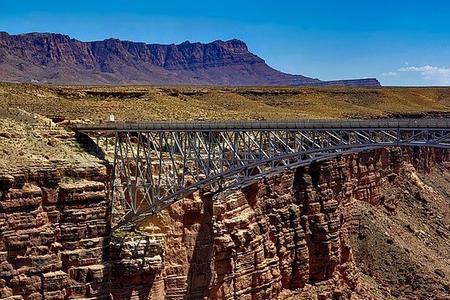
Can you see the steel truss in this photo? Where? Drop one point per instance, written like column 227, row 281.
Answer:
column 156, row 164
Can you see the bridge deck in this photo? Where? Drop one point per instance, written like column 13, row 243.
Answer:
column 265, row 125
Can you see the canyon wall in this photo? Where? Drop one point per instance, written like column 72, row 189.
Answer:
column 54, row 232
column 285, row 234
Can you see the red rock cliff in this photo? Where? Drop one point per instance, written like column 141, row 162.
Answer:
column 287, row 233
column 54, row 228
column 284, row 234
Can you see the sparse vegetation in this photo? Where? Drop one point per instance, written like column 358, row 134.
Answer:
column 220, row 103
column 28, row 136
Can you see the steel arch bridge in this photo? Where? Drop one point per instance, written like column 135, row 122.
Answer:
column 157, row 163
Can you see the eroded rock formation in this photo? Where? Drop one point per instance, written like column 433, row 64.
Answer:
column 284, row 238
column 287, row 233
column 54, row 228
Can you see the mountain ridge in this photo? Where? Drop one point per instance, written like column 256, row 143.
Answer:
column 60, row 59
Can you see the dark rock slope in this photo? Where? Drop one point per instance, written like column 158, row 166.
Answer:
column 56, row 58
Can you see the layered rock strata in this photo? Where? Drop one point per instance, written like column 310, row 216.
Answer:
column 285, row 234
column 54, row 228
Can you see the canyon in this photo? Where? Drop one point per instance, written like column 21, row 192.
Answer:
column 57, row 58
column 369, row 225
column 291, row 236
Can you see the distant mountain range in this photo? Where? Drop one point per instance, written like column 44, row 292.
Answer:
column 57, row 58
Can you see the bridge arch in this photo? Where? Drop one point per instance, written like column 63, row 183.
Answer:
column 155, row 164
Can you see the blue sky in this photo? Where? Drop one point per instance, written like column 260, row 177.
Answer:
column 399, row 42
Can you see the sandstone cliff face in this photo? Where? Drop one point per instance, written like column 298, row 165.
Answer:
column 287, row 237
column 288, row 233
column 57, row 58
column 54, row 228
